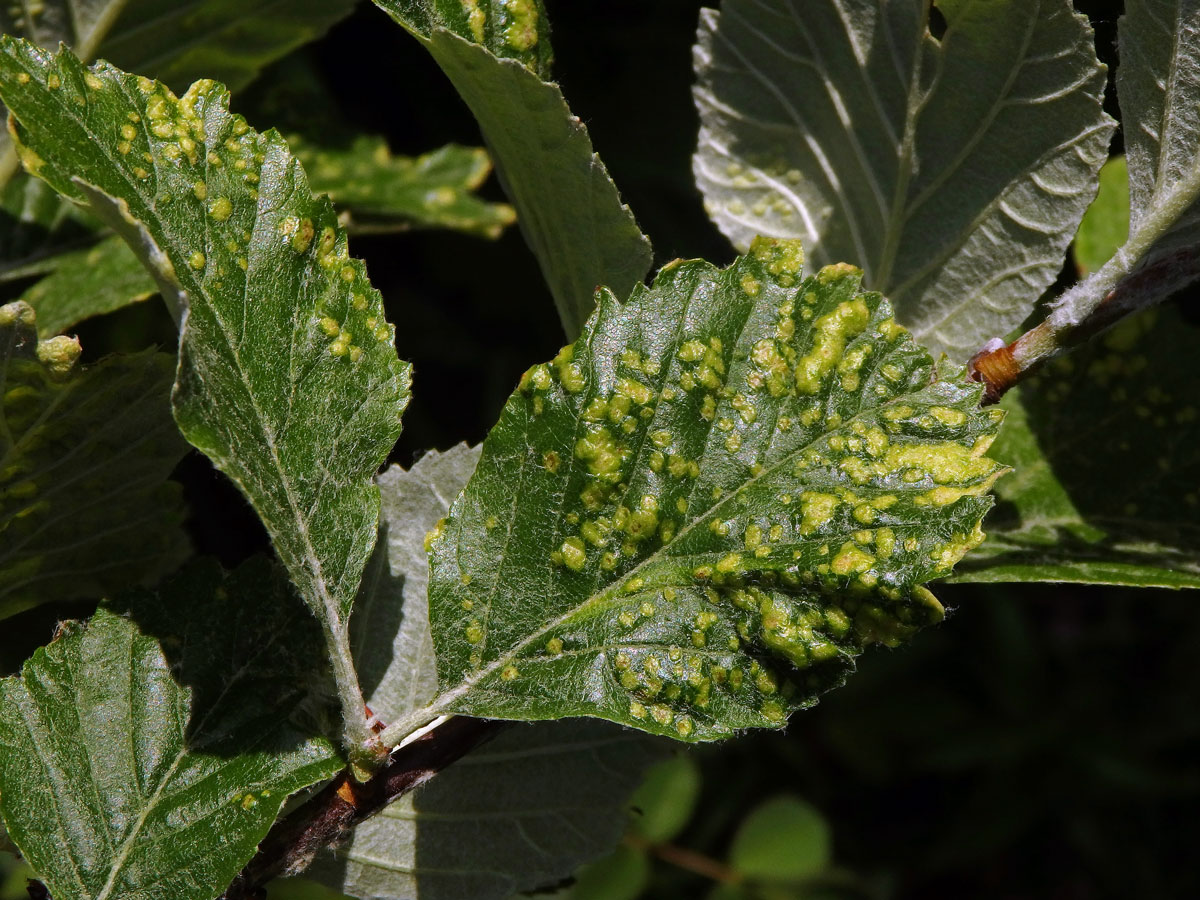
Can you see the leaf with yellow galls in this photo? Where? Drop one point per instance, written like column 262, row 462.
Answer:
column 756, row 472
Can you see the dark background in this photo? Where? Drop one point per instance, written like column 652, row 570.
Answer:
column 1042, row 743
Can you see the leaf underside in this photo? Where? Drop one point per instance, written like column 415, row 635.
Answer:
column 389, row 631
column 521, row 813
column 1157, row 83
column 75, row 443
column 1104, row 447
column 846, row 124
column 567, row 206
column 695, row 517
column 145, row 754
column 288, row 378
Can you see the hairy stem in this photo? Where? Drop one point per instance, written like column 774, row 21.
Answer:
column 365, row 751
column 1004, row 367
column 688, row 860
column 1133, row 279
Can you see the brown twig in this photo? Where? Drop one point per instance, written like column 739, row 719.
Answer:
column 689, row 860
column 326, row 819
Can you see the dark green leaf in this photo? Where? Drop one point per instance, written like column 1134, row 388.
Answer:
column 382, row 192
column 86, row 283
column 568, row 208
column 1105, row 225
column 953, row 170
column 85, row 505
column 288, row 379
column 1106, row 448
column 146, row 754
column 177, row 42
column 783, row 839
column 697, row 516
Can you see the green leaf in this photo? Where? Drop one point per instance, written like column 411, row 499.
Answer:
column 75, row 444
column 86, row 283
column 221, row 39
column 146, row 754
column 381, row 192
column 518, row 813
column 695, row 517
column 622, row 875
column 288, row 378
column 1105, row 225
column 1105, row 447
column 848, row 125
column 567, row 206
column 783, row 839
column 1157, row 82
column 507, row 29
column 667, row 799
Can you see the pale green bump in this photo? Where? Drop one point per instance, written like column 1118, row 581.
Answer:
column 521, row 33
column 58, row 354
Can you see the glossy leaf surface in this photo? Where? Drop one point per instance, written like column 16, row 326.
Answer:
column 75, row 443
column 848, row 125
column 226, row 40
column 288, row 378
column 697, row 516
column 145, row 754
